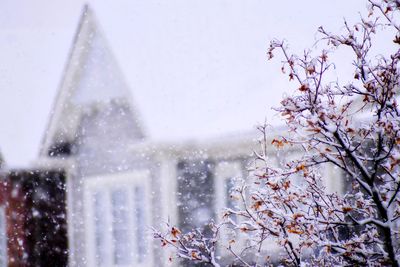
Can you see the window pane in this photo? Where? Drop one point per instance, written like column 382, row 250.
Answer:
column 195, row 194
column 100, row 226
column 120, row 223
column 229, row 185
column 3, row 238
column 140, row 223
column 229, row 202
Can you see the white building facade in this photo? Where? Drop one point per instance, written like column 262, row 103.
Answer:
column 119, row 183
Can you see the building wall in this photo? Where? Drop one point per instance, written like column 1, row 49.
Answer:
column 105, row 133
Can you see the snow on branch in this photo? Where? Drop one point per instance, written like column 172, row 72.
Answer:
column 354, row 127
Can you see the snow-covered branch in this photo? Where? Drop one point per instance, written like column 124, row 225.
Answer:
column 354, row 127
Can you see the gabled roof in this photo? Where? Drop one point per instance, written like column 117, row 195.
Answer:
column 88, row 76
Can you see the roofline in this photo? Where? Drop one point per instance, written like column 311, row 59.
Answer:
column 239, row 145
column 66, row 68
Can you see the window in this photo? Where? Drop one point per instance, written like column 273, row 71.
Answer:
column 140, row 223
column 227, row 177
column 117, row 219
column 195, row 194
column 229, row 186
column 121, row 226
column 100, row 227
column 3, row 237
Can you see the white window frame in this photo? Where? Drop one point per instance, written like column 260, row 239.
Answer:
column 224, row 172
column 107, row 184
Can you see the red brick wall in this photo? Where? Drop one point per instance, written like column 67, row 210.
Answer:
column 36, row 222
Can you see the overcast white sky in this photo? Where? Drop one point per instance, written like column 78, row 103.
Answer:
column 196, row 68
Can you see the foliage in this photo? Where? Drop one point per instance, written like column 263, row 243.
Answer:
column 355, row 127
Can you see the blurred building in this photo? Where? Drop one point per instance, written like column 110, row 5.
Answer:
column 100, row 184
column 119, row 183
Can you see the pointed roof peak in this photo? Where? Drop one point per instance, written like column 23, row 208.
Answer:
column 87, row 11
column 91, row 77
column 86, row 7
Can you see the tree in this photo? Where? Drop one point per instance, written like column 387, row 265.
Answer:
column 312, row 226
